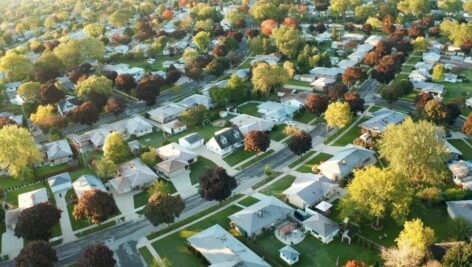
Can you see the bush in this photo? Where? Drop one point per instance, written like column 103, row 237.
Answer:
column 268, row 170
column 314, row 169
column 452, row 194
column 430, row 194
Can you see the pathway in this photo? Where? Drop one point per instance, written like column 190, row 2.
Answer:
column 183, row 185
column 11, row 245
column 66, row 227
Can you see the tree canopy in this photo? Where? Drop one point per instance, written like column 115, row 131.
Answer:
column 36, row 254
column 338, row 115
column 36, row 222
column 96, row 205
column 216, row 184
column 97, row 255
column 115, row 148
column 163, row 208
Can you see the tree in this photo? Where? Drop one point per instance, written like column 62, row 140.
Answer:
column 78, row 51
column 16, row 67
column 97, row 84
column 4, row 121
column 46, row 117
column 376, row 192
column 202, row 40
column 36, row 222
column 195, row 116
column 263, row 10
column 47, row 67
column 467, row 6
column 467, row 127
column 416, row 236
column 86, row 113
column 390, row 93
column 256, row 141
column 450, row 6
column 266, row 78
column 189, row 55
column 104, row 168
column 404, row 257
column 335, row 91
column 416, row 8
column 290, row 68
column 120, row 17
column 94, row 30
column 317, row 104
column 163, row 208
column 288, row 40
column 458, row 255
column 36, row 254
column 149, row 158
column 371, row 58
column 422, row 99
column 115, row 105
column 216, row 184
column 460, row 229
column 415, row 31
column 435, row 111
column 457, row 32
column 300, row 143
column 355, row 263
column 421, row 159
column 96, row 205
column 353, row 74
column 438, row 72
column 49, row 94
column 338, row 115
column 125, row 82
column 97, row 255
column 149, row 88
column 173, row 75
column 115, row 148
column 356, row 103
column 110, row 75
column 217, row 66
column 29, row 91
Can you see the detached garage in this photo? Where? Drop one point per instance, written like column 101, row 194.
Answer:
column 60, row 182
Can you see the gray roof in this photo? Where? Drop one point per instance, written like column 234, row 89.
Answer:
column 228, row 137
column 87, row 182
column 57, row 150
column 193, row 138
column 321, row 225
column 67, row 104
column 345, row 161
column 311, row 188
column 289, row 252
column 60, row 179
column 261, row 215
column 462, row 208
column 381, row 119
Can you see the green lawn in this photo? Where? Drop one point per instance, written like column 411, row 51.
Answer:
column 177, row 252
column 83, row 171
column 349, row 136
column 305, row 117
column 46, row 170
column 278, row 187
column 238, row 156
column 375, row 108
column 299, row 83
column 140, row 199
column 256, row 159
column 248, row 201
column 306, row 167
column 277, row 133
column 462, row 147
column 147, row 256
column 250, row 108
column 300, row 159
column 7, row 182
column 411, row 96
column 199, row 167
column 413, row 60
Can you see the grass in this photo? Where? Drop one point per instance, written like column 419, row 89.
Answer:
column 411, row 96
column 279, row 186
column 178, row 253
column 413, row 60
column 83, row 171
column 305, row 117
column 307, row 166
column 7, row 182
column 256, row 159
column 250, row 109
column 140, row 199
column 266, row 180
column 277, row 133
column 238, row 156
column 76, row 224
column 156, row 139
column 375, row 108
column 46, row 169
column 299, row 83
column 349, row 136
column 199, row 167
column 147, row 256
column 299, row 160
column 462, row 147
column 248, row 201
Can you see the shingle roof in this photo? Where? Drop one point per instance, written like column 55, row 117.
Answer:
column 381, row 119
column 228, row 137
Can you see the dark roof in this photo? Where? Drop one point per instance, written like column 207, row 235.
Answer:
column 192, row 138
column 229, row 137
column 72, row 100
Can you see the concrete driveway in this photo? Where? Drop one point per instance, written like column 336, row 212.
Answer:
column 66, row 227
column 183, row 185
column 11, row 244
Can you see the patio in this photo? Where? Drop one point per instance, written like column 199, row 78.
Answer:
column 289, row 234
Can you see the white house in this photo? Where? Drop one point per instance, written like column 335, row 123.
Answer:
column 90, row 140
column 174, row 151
column 321, row 83
column 431, row 57
column 166, row 113
column 461, row 173
column 451, row 78
column 357, row 56
column 225, row 141
column 320, row 227
column 381, row 119
column 353, row 37
column 270, row 59
column 60, row 182
column 67, row 104
column 132, row 175
column 309, row 189
column 323, row 37
column 247, row 123
column 345, row 63
column 192, row 141
column 295, row 98
column 435, row 89
column 136, row 126
column 373, row 40
column 289, row 255
column 418, row 76
column 461, row 208
column 25, row 200
column 424, row 67
column 196, row 100
column 323, row 72
column 86, row 183
column 174, row 127
column 276, row 112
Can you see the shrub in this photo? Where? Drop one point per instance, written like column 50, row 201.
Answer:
column 430, row 194
column 452, row 194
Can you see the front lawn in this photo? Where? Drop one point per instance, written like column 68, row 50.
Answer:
column 174, row 247
column 307, row 166
column 46, row 169
column 250, row 109
column 462, row 147
column 277, row 133
column 199, row 167
column 76, row 224
column 140, row 199
column 147, row 256
column 256, row 159
column 238, row 156
column 349, row 136
column 248, row 201
column 305, row 117
column 301, row 159
column 279, row 186
column 299, row 83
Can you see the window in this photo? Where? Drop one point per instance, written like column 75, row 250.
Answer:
column 236, row 134
column 223, row 140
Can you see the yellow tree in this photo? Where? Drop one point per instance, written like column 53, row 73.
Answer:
column 17, row 67
column 265, row 78
column 338, row 115
column 19, row 149
column 46, row 117
column 438, row 72
column 78, row 51
column 97, row 84
column 288, row 40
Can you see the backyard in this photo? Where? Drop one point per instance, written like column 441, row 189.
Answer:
column 140, row 199
column 250, row 109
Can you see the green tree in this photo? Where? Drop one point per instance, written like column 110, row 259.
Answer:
column 459, row 255
column 450, row 6
column 149, row 158
column 420, row 43
column 115, row 148
column 95, row 84
column 266, row 78
column 47, row 67
column 119, row 18
column 438, row 72
column 29, row 91
column 415, row 8
column 288, row 40
column 338, row 115
column 374, row 193
column 104, row 168
column 202, row 40
column 194, row 117
column 78, row 51
column 414, row 150
column 163, row 208
column 263, row 10
column 16, row 67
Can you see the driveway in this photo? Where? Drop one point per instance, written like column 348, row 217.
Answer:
column 125, row 203
column 11, row 244
column 183, row 185
column 66, row 227
column 203, row 151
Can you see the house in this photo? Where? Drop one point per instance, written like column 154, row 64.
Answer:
column 221, row 248
column 322, row 82
column 270, row 59
column 289, row 255
column 321, row 227
column 309, row 189
column 323, row 37
column 87, row 182
column 353, row 37
column 192, row 141
column 60, row 182
column 345, row 63
column 171, row 168
column 451, row 78
column 225, row 141
column 357, row 56
column 461, row 173
column 25, row 200
column 323, row 72
column 132, row 175
column 67, row 104
column 461, row 208
column 345, row 161
column 135, row 147
column 90, row 140
column 57, row 152
column 418, row 76
column 247, row 123
column 166, row 113
column 381, row 119
column 454, row 153
column 364, row 48
column 18, row 119
column 257, row 218
column 373, row 40
column 174, row 127
column 174, row 151
column 295, row 98
column 196, row 100
column 276, row 112
column 136, row 126
column 64, row 83
column 436, row 90
column 468, row 102
column 423, row 67
column 431, row 57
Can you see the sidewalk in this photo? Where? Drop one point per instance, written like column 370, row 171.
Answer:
column 66, row 227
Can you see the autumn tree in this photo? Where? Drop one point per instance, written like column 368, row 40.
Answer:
column 115, row 105
column 422, row 99
column 435, row 111
column 47, row 67
column 96, row 84
column 36, row 254
column 438, row 72
column 96, row 205
column 256, row 141
column 355, row 101
column 216, row 184
column 4, row 121
column 29, row 92
column 163, row 208
column 416, row 8
column 338, row 115
column 335, row 91
column 263, row 10
column 104, row 168
column 46, row 117
column 149, row 88
column 416, row 237
column 458, row 255
column 317, row 104
column 467, row 127
column 288, row 40
column 399, row 148
column 374, row 193
column 97, row 255
column 77, row 51
column 16, row 67
column 266, row 78
column 86, row 113
column 125, row 82
column 36, row 222
column 49, row 94
column 355, row 263
column 202, row 40
column 300, row 143
column 115, row 148
column 385, row 71
column 353, row 74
